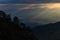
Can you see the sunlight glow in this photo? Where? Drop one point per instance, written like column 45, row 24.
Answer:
column 50, row 5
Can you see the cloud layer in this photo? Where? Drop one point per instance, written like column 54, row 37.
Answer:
column 33, row 13
column 28, row 1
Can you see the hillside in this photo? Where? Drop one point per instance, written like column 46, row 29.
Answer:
column 13, row 30
column 48, row 32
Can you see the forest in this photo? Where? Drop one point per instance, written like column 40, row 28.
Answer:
column 14, row 29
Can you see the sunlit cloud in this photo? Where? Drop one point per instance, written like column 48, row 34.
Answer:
column 50, row 5
column 41, row 5
column 27, row 6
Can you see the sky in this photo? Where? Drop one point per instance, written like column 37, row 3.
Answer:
column 28, row 1
column 33, row 11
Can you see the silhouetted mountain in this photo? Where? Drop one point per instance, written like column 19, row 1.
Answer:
column 11, row 30
column 48, row 32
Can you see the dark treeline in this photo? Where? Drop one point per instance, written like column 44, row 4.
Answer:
column 14, row 30
column 49, row 31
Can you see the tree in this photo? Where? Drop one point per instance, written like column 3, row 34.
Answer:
column 10, row 30
column 8, row 18
column 16, row 20
column 22, row 25
column 2, row 14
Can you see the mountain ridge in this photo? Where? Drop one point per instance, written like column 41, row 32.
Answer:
column 48, row 32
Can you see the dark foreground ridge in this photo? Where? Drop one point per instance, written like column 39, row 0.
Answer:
column 49, row 31
column 13, row 30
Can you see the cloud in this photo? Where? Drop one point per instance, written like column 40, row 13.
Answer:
column 33, row 13
column 9, row 1
column 28, row 1
column 42, row 1
column 24, row 11
column 41, row 5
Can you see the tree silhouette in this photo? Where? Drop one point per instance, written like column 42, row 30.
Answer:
column 8, row 18
column 12, row 31
column 22, row 25
column 2, row 14
column 16, row 20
